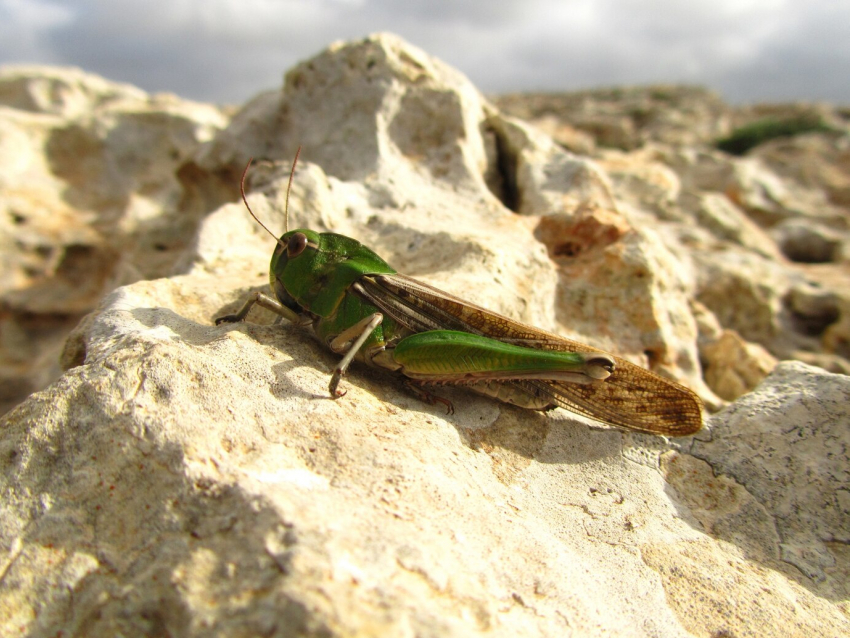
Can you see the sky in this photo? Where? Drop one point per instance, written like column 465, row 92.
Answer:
column 226, row 51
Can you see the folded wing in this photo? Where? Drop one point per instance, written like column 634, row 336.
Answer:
column 632, row 397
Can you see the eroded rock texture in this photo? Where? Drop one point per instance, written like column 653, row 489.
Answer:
column 187, row 479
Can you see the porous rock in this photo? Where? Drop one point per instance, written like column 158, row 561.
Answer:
column 94, row 192
column 807, row 241
column 732, row 222
column 628, row 117
column 793, row 430
column 194, row 480
column 733, row 366
column 183, row 478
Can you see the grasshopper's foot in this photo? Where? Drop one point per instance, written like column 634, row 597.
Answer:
column 227, row 319
column 431, row 399
column 333, row 388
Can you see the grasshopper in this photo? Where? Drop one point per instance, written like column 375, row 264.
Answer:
column 361, row 308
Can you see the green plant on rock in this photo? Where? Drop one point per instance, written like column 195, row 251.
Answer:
column 751, row 135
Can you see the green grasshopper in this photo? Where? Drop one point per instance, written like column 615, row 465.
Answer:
column 362, row 308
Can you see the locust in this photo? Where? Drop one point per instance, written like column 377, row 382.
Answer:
column 362, row 309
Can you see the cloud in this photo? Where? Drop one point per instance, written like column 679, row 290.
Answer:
column 228, row 50
column 24, row 25
column 806, row 56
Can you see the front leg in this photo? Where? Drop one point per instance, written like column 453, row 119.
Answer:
column 360, row 331
column 266, row 302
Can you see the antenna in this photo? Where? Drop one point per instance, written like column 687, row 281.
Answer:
column 288, row 188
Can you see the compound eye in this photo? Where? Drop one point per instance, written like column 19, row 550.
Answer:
column 297, row 244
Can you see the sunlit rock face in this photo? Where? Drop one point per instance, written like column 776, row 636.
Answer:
column 174, row 477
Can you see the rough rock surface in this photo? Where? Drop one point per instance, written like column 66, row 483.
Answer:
column 754, row 228
column 792, row 431
column 95, row 191
column 186, row 479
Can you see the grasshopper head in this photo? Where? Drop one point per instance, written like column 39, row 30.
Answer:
column 291, row 263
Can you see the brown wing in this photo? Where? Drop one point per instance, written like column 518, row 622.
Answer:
column 631, row 397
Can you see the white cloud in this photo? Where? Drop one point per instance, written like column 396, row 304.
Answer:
column 227, row 50
column 24, row 23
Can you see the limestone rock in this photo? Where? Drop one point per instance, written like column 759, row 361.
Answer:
column 65, row 92
column 814, row 308
column 642, row 180
column 94, row 192
column 819, row 161
column 628, row 117
column 792, row 431
column 745, row 291
column 821, row 310
column 700, row 168
column 733, row 366
column 183, row 478
column 734, row 222
column 717, row 214
column 568, row 136
column 188, row 479
column 808, row 242
column 769, row 199
column 836, row 336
